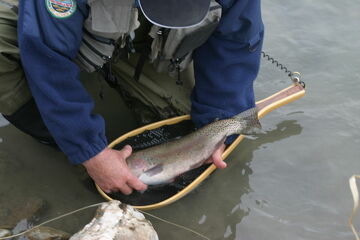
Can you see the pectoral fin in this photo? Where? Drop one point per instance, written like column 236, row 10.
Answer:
column 155, row 170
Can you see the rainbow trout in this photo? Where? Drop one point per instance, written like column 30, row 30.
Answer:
column 163, row 163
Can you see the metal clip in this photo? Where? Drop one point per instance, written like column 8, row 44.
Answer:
column 296, row 78
column 174, row 66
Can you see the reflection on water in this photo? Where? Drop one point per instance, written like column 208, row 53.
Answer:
column 289, row 183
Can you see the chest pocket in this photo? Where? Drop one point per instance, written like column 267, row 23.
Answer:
column 171, row 49
column 109, row 25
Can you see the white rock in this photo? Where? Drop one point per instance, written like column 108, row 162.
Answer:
column 5, row 233
column 117, row 221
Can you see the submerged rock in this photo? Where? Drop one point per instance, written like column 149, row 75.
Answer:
column 117, row 221
column 47, row 233
column 12, row 213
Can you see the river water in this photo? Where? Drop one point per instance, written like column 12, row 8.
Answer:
column 291, row 182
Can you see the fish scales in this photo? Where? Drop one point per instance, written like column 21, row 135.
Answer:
column 162, row 163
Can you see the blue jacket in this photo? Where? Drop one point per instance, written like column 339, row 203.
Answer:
column 225, row 68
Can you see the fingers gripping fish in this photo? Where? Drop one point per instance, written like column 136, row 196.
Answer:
column 162, row 163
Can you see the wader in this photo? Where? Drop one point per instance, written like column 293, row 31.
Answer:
column 152, row 95
column 157, row 80
column 149, row 65
column 16, row 102
column 14, row 91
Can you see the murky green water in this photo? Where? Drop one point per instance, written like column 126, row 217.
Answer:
column 289, row 183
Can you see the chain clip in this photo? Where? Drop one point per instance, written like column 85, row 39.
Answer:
column 294, row 76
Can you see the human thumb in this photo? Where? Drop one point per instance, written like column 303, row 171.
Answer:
column 127, row 150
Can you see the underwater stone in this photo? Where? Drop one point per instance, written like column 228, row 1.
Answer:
column 47, row 233
column 13, row 212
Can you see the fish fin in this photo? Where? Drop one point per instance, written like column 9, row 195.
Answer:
column 250, row 120
column 154, row 170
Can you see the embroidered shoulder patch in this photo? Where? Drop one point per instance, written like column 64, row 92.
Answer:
column 61, row 8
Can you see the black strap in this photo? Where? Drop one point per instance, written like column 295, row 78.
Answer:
column 141, row 62
column 109, row 77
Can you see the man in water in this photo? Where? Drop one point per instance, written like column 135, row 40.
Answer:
column 45, row 44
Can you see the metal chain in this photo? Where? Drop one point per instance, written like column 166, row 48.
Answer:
column 294, row 76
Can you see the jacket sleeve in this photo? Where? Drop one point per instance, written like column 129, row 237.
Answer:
column 48, row 44
column 228, row 63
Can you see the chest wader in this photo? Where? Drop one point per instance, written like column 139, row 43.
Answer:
column 157, row 78
column 16, row 103
column 152, row 95
column 136, row 57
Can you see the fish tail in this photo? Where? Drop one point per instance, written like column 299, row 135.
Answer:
column 249, row 120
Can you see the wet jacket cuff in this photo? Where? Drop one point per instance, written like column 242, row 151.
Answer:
column 87, row 152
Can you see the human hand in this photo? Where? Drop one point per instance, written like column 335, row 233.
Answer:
column 111, row 173
column 216, row 158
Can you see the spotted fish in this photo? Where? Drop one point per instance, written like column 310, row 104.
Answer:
column 162, row 163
